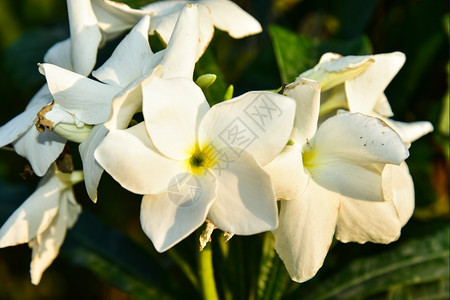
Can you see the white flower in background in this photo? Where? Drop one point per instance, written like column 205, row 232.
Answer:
column 357, row 83
column 79, row 100
column 342, row 159
column 223, row 14
column 91, row 22
column 192, row 163
column 43, row 219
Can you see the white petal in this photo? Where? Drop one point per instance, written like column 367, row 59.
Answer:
column 181, row 52
column 306, row 94
column 287, row 174
column 257, row 122
column 382, row 107
column 89, row 100
column 334, row 70
column 114, row 17
column 91, row 168
column 364, row 90
column 246, row 202
column 410, row 131
column 46, row 245
column 127, row 61
column 206, row 30
column 402, row 190
column 41, row 149
column 60, row 54
column 132, row 160
column 129, row 101
column 360, row 138
column 169, row 217
column 173, row 109
column 34, row 215
column 364, row 221
column 228, row 16
column 85, row 35
column 17, row 126
column 305, row 231
column 163, row 23
column 345, row 151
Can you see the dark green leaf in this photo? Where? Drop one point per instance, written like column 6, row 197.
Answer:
column 413, row 262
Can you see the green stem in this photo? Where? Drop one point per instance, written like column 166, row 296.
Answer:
column 206, row 272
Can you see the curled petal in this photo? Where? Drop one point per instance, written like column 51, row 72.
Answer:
column 85, row 35
column 402, row 190
column 410, row 131
column 364, row 90
column 306, row 94
column 114, row 18
column 91, row 168
column 181, row 52
column 228, row 16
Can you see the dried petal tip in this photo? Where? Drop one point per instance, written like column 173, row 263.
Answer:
column 228, row 236
column 42, row 122
column 205, row 237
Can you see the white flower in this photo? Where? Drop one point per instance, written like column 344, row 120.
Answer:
column 43, row 219
column 357, row 83
column 328, row 172
column 192, row 163
column 91, row 22
column 223, row 14
column 80, row 100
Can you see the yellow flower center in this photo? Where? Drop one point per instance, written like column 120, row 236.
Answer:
column 201, row 159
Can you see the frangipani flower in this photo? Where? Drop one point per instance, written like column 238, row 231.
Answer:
column 43, row 219
column 192, row 163
column 223, row 14
column 91, row 22
column 79, row 100
column 41, row 149
column 357, row 83
column 342, row 159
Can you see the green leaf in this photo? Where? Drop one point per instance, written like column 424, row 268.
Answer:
column 414, row 262
column 116, row 259
column 293, row 52
column 273, row 277
column 296, row 53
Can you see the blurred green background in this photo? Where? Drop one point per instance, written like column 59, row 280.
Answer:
column 107, row 256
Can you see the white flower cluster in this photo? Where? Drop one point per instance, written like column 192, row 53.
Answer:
column 325, row 147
